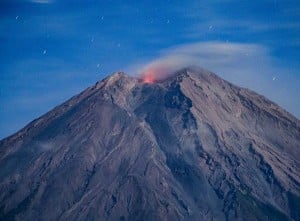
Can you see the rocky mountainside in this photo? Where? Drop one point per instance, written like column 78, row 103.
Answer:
column 188, row 147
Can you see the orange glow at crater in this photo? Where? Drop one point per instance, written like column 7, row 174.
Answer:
column 154, row 74
column 148, row 78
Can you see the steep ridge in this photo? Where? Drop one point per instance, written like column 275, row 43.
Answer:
column 188, row 147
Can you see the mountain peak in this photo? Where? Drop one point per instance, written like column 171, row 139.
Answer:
column 156, row 75
column 184, row 146
column 118, row 78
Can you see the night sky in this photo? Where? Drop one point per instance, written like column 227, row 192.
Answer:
column 51, row 50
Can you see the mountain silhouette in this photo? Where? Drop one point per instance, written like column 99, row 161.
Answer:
column 191, row 146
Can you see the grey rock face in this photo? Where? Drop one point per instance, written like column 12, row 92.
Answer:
column 190, row 147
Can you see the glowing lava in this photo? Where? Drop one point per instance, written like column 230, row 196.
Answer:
column 148, row 78
column 155, row 74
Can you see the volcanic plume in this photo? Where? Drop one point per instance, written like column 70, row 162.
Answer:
column 161, row 69
column 181, row 146
column 149, row 77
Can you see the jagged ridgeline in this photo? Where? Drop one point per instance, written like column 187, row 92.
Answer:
column 188, row 147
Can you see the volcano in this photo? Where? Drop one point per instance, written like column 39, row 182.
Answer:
column 191, row 146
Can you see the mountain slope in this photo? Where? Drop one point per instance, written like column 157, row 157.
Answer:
column 189, row 147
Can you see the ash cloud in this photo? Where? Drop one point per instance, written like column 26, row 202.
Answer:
column 216, row 56
column 248, row 65
column 165, row 66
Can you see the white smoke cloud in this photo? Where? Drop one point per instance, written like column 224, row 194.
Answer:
column 42, row 1
column 212, row 55
column 247, row 65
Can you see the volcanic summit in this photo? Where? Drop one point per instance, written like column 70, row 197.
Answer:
column 191, row 146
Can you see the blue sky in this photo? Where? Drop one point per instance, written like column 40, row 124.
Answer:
column 52, row 49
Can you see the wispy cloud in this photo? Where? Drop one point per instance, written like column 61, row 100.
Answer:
column 248, row 65
column 42, row 1
column 231, row 19
column 230, row 26
column 209, row 54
